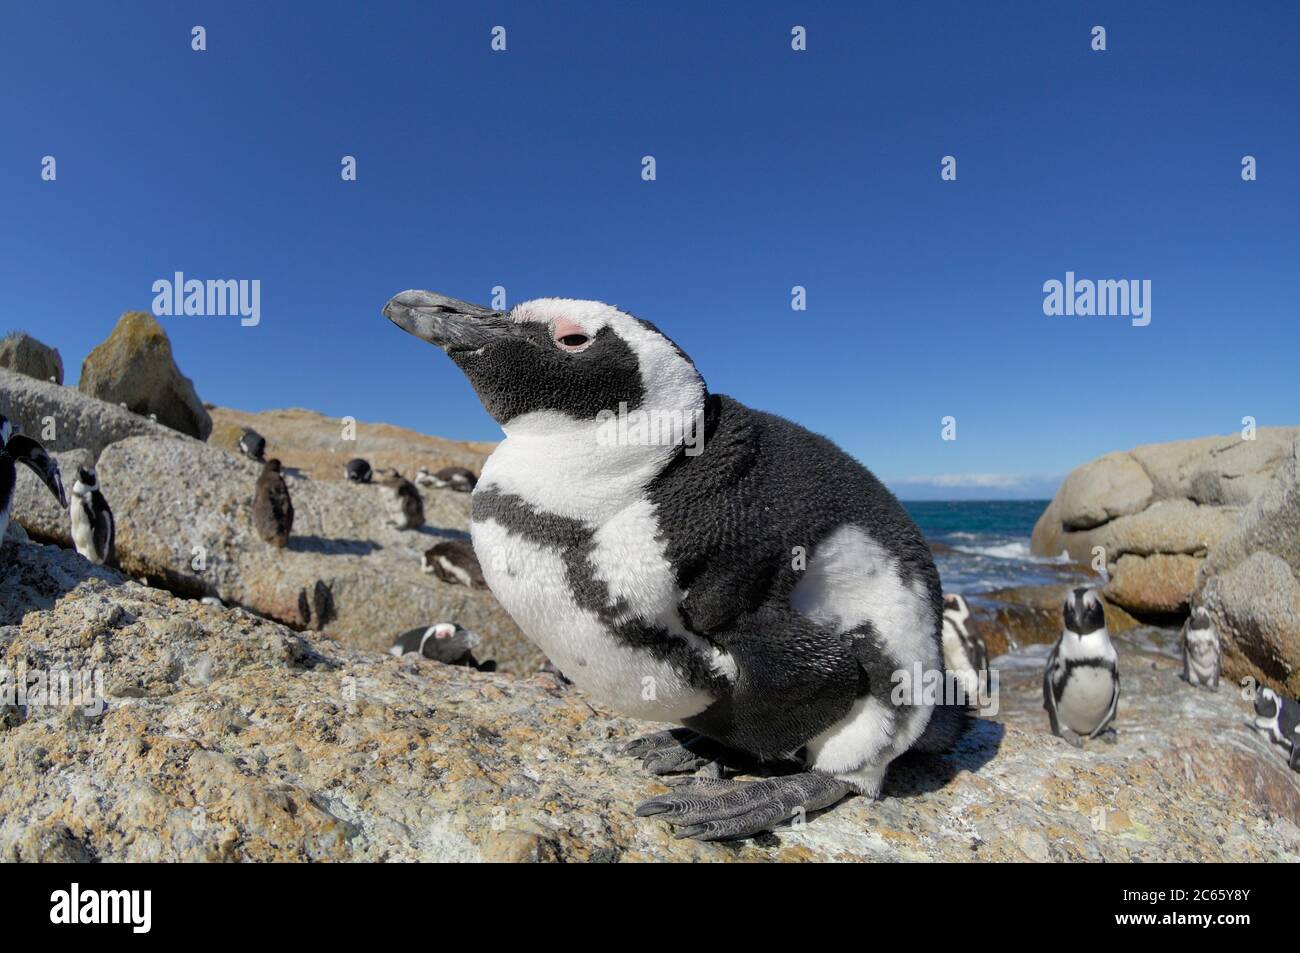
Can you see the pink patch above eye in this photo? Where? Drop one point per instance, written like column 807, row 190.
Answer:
column 566, row 326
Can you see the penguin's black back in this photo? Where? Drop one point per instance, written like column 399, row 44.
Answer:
column 762, row 486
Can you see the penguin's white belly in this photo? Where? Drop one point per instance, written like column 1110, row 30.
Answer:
column 83, row 534
column 1085, row 700
column 626, row 568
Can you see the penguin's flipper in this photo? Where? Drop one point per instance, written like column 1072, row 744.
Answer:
column 1049, row 694
column 706, row 809
column 104, row 534
column 1110, row 715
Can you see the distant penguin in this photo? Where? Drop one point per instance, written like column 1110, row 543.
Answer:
column 93, row 531
column 453, row 561
column 460, row 479
column 252, row 445
column 272, row 508
column 1202, row 653
column 1081, row 681
column 964, row 652
column 357, row 470
column 651, row 561
column 446, row 642
column 1279, row 718
column 14, row 449
column 405, row 505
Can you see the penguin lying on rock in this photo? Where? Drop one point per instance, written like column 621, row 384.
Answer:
column 657, row 564
column 1081, row 681
column 453, row 561
column 460, row 479
column 446, row 642
column 252, row 445
column 357, row 470
column 1279, row 718
column 14, row 449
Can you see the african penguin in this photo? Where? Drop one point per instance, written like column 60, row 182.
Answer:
column 272, row 508
column 405, row 505
column 1202, row 654
column 252, row 445
column 1081, row 680
column 357, row 470
column 16, row 448
column 460, row 479
column 964, row 652
column 446, row 642
column 453, row 561
column 640, row 530
column 93, row 531
column 1279, row 718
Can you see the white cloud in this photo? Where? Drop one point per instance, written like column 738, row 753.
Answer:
column 999, row 481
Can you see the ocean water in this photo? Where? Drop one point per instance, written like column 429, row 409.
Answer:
column 984, row 544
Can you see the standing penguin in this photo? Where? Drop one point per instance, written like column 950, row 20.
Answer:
column 1202, row 653
column 446, row 642
column 252, row 444
column 357, row 470
column 272, row 508
column 964, row 652
column 652, row 562
column 1279, row 719
column 14, row 449
column 405, row 505
column 93, row 532
column 1081, row 681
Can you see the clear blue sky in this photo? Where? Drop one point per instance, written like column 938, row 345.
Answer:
column 775, row 169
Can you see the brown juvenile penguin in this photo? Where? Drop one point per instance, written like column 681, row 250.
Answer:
column 272, row 508
column 453, row 561
column 405, row 506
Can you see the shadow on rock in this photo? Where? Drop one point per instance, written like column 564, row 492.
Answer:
column 919, row 773
column 442, row 533
column 332, row 547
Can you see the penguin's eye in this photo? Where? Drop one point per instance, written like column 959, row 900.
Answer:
column 573, row 342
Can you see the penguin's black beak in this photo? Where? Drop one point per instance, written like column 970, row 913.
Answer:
column 449, row 323
column 27, row 451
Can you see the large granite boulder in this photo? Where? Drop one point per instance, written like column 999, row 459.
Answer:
column 183, row 512
column 23, row 354
column 1157, row 510
column 1250, row 583
column 65, row 419
column 230, row 737
column 135, row 367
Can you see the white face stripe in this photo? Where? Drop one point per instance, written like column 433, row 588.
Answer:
column 6, row 431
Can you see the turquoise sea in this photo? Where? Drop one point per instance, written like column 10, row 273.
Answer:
column 984, row 544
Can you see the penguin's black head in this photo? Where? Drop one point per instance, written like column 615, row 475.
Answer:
column 1200, row 618
column 25, row 450
column 273, row 465
column 86, row 477
column 1266, row 702
column 1083, row 612
column 555, row 362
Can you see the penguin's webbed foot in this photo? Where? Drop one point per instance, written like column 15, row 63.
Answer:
column 1070, row 738
column 706, row 809
column 677, row 751
column 1110, row 736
